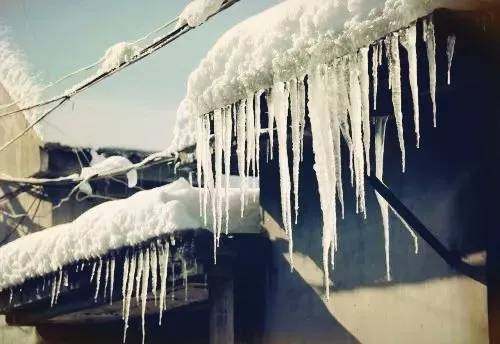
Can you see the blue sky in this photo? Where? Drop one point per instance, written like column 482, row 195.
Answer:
column 135, row 108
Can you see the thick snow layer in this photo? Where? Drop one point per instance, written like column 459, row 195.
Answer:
column 116, row 55
column 197, row 12
column 101, row 165
column 113, row 225
column 286, row 41
column 16, row 79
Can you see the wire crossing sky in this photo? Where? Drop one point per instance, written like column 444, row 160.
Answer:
column 134, row 109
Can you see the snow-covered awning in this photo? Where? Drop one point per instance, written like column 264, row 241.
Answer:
column 115, row 224
column 286, row 41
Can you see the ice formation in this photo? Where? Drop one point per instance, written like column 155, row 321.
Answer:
column 16, row 80
column 450, row 51
column 329, row 43
column 116, row 55
column 198, row 11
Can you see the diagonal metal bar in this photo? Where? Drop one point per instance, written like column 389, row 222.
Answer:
column 450, row 257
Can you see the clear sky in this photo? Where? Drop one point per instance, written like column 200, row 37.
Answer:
column 135, row 108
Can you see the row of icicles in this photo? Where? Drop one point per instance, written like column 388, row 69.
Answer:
column 339, row 106
column 145, row 269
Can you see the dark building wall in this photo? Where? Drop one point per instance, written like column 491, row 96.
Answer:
column 451, row 185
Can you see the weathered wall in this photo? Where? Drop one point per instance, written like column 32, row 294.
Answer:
column 450, row 184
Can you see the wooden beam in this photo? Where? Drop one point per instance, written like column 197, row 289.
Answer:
column 221, row 295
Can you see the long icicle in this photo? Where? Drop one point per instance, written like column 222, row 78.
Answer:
column 430, row 40
column 164, row 275
column 126, row 266
column 392, row 44
column 228, row 135
column 279, row 104
column 295, row 114
column 154, row 271
column 112, row 279
column 409, row 41
column 240, row 150
column 130, row 288
column 379, row 173
column 364, row 81
column 144, row 291
column 218, row 195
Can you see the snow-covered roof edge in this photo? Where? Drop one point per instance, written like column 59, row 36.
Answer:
column 16, row 78
column 286, row 41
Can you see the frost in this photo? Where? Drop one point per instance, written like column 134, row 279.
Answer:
column 450, row 51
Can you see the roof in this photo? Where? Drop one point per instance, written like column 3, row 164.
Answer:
column 115, row 224
column 285, row 41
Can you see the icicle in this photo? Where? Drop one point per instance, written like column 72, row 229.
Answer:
column 356, row 119
column 200, row 147
column 257, row 131
column 11, row 296
column 144, row 291
column 185, row 278
column 409, row 41
column 98, row 279
column 332, row 89
column 93, row 272
column 154, row 270
column 375, row 65
column 270, row 124
column 58, row 287
column 450, row 51
column 379, row 173
column 228, row 135
column 324, row 166
column 344, row 108
column 163, row 284
column 409, row 229
column 130, row 288
column 106, row 278
column 112, row 281
column 364, row 81
column 301, row 104
column 138, row 275
column 126, row 264
column 219, row 141
column 430, row 40
column 53, row 291
column 295, row 114
column 392, row 44
column 173, row 279
column 250, row 131
column 240, row 150
column 279, row 105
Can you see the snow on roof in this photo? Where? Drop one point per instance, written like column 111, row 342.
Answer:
column 16, row 78
column 115, row 224
column 197, row 12
column 285, row 41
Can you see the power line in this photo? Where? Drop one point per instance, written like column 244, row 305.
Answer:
column 148, row 50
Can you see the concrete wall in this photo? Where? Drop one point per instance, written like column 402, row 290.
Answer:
column 451, row 185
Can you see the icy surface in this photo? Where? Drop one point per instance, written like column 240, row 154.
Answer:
column 112, row 225
column 198, row 11
column 17, row 80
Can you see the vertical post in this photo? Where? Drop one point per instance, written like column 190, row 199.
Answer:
column 221, row 289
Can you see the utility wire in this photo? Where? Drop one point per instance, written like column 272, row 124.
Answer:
column 148, row 50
